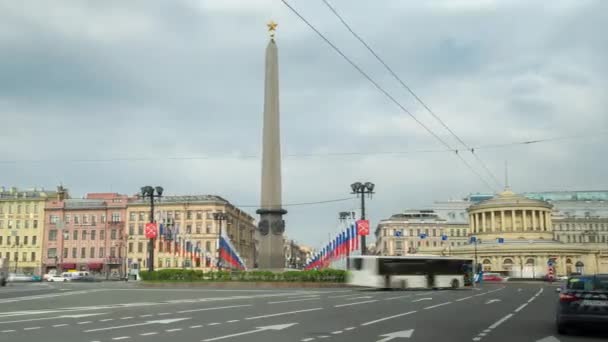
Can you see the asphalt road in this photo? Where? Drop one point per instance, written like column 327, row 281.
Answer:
column 107, row 312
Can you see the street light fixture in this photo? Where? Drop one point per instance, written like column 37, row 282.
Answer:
column 219, row 217
column 362, row 189
column 151, row 192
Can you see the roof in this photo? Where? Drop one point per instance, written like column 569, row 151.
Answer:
column 183, row 199
column 508, row 198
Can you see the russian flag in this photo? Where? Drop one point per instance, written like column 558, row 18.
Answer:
column 228, row 254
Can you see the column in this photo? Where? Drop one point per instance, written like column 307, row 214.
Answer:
column 524, row 220
column 541, row 218
column 476, row 230
column 548, row 220
column 502, row 220
column 513, row 220
column 493, row 222
column 483, row 222
column 533, row 212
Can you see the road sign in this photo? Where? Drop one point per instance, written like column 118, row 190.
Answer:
column 150, row 230
column 473, row 239
column 363, row 227
column 423, row 236
column 500, row 240
column 550, row 262
column 444, row 237
column 398, row 233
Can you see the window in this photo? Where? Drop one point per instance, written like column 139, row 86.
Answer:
column 113, row 234
column 102, row 235
column 8, row 240
column 130, row 247
column 457, row 232
column 18, row 224
column 131, row 229
column 75, row 235
column 102, row 252
column 1, row 237
column 26, row 224
column 10, row 224
column 18, row 208
column 8, row 256
column 74, row 252
column 17, row 240
column 140, row 229
column 115, row 217
column 92, row 252
column 65, row 252
column 208, row 215
column 93, row 232
column 85, row 219
column 51, row 253
column 33, row 256
column 199, row 215
column 208, row 228
column 35, row 224
column 434, row 243
column 35, row 207
column 25, row 240
column 208, row 246
column 189, row 215
column 189, row 229
column 83, row 252
column 93, row 219
column 178, row 215
column 1, row 224
column 102, row 218
column 132, row 216
column 53, row 219
column 199, row 227
column 398, row 245
column 34, row 238
column 140, row 247
column 53, row 235
column 161, row 247
column 141, row 215
column 84, row 235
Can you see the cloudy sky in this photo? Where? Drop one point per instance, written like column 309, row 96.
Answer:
column 113, row 95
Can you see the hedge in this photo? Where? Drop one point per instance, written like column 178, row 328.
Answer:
column 185, row 275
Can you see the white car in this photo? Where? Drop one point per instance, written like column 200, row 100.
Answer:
column 54, row 277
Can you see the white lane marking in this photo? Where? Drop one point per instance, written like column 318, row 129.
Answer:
column 171, row 330
column 215, row 308
column 437, row 305
column 106, row 320
column 482, row 334
column 421, row 299
column 463, row 298
column 148, row 333
column 476, row 338
column 487, row 330
column 214, row 323
column 7, row 331
column 32, row 328
column 493, row 301
column 342, row 296
column 362, row 297
column 389, row 317
column 59, row 325
column 337, row 332
column 232, row 321
column 294, row 300
column 521, row 307
column 283, row 313
column 398, row 297
column 323, row 336
column 128, row 317
column 50, row 318
column 500, row 321
column 357, row 303
column 349, row 328
column 160, row 321
column 276, row 327
column 307, row 339
column 163, row 313
column 18, row 299
column 145, row 316
column 86, row 322
column 121, row 338
column 307, row 296
column 195, row 326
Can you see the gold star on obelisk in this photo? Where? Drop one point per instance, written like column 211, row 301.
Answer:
column 272, row 28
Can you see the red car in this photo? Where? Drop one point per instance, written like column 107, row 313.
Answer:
column 494, row 277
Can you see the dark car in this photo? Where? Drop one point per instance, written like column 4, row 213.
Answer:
column 583, row 301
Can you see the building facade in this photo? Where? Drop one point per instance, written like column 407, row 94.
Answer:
column 415, row 230
column 22, row 227
column 86, row 234
column 188, row 221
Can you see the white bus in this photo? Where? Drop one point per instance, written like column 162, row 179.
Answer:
column 409, row 272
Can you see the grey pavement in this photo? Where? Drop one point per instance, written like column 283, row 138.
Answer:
column 107, row 312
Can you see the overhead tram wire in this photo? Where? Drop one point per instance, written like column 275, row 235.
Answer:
column 394, row 74
column 388, row 95
column 298, row 204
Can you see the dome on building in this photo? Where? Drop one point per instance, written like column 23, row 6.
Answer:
column 508, row 198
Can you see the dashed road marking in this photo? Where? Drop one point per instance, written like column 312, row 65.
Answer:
column 172, row 330
column 389, row 317
column 214, row 323
column 85, row 322
column 349, row 328
column 307, row 339
column 128, row 317
column 7, row 331
column 59, row 325
column 163, row 313
column 195, row 326
column 148, row 333
column 32, row 328
column 232, row 321
column 357, row 303
column 106, row 320
column 121, row 338
column 437, row 305
column 337, row 332
column 145, row 316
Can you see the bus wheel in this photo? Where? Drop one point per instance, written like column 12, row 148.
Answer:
column 455, row 284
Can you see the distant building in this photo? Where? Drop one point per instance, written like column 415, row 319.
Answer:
column 86, row 234
column 188, row 219
column 401, row 233
column 296, row 255
column 22, row 226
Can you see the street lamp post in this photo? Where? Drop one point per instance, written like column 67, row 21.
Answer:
column 219, row 217
column 17, row 246
column 362, row 189
column 151, row 192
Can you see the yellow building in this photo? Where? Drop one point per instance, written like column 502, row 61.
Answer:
column 22, row 231
column 188, row 218
column 515, row 236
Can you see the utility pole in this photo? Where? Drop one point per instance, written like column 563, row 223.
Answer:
column 363, row 189
column 150, row 192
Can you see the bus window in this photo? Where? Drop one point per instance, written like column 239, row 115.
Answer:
column 356, row 264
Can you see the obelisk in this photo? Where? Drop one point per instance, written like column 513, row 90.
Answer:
column 271, row 225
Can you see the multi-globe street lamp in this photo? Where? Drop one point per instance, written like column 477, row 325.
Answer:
column 151, row 192
column 360, row 188
column 219, row 217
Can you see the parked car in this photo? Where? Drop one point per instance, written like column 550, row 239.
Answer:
column 494, row 277
column 2, row 279
column 19, row 278
column 57, row 277
column 582, row 300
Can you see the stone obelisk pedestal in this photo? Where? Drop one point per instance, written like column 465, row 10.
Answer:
column 271, row 226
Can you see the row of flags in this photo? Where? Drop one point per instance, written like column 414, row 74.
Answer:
column 229, row 257
column 339, row 247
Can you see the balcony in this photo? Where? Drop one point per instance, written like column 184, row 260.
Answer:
column 114, row 261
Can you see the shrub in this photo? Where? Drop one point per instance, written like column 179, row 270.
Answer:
column 188, row 275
